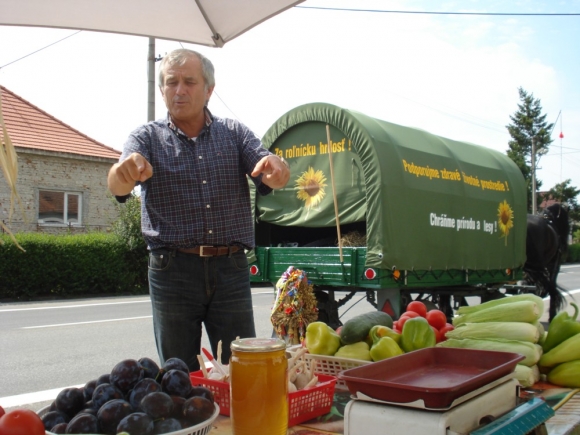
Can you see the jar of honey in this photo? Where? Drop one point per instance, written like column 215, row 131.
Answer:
column 258, row 386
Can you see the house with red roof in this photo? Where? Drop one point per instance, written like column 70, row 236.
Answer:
column 62, row 173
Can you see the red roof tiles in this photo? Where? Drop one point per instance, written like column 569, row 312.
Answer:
column 30, row 127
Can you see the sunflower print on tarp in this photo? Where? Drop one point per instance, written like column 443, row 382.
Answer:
column 506, row 219
column 310, row 187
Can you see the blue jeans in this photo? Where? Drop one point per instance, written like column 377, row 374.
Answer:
column 187, row 291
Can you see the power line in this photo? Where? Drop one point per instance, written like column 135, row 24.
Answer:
column 444, row 13
column 30, row 54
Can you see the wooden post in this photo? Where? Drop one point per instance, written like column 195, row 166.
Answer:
column 334, row 192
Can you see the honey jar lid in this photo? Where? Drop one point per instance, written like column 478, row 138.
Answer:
column 258, row 345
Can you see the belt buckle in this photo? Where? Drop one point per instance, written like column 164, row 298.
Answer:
column 201, row 249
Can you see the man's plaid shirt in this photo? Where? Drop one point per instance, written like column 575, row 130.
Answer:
column 199, row 193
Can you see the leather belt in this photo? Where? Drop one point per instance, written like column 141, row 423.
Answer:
column 210, row 251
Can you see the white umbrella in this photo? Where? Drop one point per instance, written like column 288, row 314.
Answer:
column 205, row 22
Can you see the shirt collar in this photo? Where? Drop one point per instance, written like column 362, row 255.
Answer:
column 208, row 121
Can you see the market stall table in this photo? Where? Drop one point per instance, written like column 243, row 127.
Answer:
column 565, row 422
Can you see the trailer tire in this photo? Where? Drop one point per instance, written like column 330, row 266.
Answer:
column 327, row 309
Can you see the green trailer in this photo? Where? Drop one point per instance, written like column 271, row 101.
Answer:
column 417, row 215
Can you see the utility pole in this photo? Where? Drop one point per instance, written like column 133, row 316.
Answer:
column 151, row 80
column 534, row 206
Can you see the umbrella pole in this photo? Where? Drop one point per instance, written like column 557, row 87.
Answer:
column 334, row 192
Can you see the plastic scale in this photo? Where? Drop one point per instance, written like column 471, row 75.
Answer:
column 496, row 401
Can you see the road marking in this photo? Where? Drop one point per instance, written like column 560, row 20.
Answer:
column 86, row 323
column 74, row 306
column 28, row 398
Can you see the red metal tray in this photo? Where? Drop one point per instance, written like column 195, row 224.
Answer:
column 436, row 375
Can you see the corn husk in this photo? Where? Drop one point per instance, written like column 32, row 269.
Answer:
column 506, row 330
column 518, row 311
column 527, row 376
column 467, row 309
column 531, row 352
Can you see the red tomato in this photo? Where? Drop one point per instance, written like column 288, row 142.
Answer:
column 21, row 422
column 2, row 412
column 447, row 327
column 418, row 307
column 401, row 322
column 410, row 314
column 436, row 318
column 396, row 325
column 438, row 336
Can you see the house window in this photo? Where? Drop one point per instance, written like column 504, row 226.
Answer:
column 62, row 208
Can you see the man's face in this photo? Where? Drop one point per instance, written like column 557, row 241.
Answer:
column 184, row 90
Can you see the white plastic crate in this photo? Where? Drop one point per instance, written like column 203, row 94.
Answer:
column 330, row 365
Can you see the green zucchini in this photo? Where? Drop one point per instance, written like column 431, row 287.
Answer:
column 358, row 327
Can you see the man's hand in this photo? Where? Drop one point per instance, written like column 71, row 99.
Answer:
column 275, row 171
column 123, row 176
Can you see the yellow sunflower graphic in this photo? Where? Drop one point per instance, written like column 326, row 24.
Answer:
column 310, row 186
column 506, row 219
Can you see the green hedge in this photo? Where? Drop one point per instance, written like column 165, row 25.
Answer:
column 69, row 266
column 573, row 254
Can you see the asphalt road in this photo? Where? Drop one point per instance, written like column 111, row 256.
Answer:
column 47, row 346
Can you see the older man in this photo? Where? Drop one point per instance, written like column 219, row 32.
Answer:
column 196, row 211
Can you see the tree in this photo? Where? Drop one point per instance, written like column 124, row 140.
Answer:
column 567, row 195
column 528, row 123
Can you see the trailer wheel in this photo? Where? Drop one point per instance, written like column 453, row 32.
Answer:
column 327, row 309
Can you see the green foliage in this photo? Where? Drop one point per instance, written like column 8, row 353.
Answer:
column 528, row 123
column 128, row 228
column 77, row 265
column 64, row 266
column 576, row 236
column 573, row 253
column 128, row 225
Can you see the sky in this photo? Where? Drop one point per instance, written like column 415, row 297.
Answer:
column 456, row 76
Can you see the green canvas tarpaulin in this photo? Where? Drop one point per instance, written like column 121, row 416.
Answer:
column 429, row 203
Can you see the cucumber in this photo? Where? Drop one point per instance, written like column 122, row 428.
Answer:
column 358, row 327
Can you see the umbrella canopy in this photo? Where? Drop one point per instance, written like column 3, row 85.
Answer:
column 205, row 22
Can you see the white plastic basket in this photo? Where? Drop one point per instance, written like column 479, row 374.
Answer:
column 330, row 365
column 199, row 429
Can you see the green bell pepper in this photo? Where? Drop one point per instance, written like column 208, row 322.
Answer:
column 385, row 347
column 379, row 331
column 562, row 327
column 321, row 339
column 417, row 334
column 568, row 350
column 358, row 350
column 566, row 374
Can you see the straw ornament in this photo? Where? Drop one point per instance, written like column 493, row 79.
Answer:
column 294, row 307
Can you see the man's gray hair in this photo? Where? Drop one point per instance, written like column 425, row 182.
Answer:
column 179, row 56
